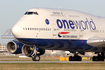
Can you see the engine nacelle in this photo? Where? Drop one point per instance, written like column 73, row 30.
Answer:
column 14, row 47
column 28, row 50
column 42, row 51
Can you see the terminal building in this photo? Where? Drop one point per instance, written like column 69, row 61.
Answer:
column 3, row 48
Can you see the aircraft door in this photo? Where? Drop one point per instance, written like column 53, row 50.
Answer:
column 54, row 31
column 83, row 33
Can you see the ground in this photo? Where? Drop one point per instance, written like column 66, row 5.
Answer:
column 53, row 66
column 47, row 66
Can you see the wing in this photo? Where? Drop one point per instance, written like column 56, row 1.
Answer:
column 7, row 35
column 96, row 42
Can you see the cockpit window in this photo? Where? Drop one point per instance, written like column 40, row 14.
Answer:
column 31, row 13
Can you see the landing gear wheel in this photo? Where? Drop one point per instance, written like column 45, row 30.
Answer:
column 98, row 58
column 75, row 58
column 79, row 58
column 101, row 58
column 71, row 58
column 95, row 58
column 36, row 58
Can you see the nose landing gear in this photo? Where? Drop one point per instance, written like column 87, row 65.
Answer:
column 35, row 57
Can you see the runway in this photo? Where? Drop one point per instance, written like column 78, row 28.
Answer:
column 51, row 62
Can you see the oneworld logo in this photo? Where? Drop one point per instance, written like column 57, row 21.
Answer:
column 76, row 24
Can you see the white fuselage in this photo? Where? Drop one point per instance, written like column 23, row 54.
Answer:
column 58, row 25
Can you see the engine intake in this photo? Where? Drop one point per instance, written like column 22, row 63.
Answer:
column 14, row 47
column 28, row 50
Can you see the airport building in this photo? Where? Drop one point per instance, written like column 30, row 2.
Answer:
column 3, row 51
column 2, row 48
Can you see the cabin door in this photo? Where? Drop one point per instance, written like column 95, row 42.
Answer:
column 83, row 34
column 54, row 31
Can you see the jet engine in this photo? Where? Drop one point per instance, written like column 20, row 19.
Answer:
column 28, row 50
column 14, row 47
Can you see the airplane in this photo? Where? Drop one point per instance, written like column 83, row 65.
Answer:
column 57, row 29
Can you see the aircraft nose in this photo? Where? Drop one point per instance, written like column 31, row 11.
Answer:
column 16, row 30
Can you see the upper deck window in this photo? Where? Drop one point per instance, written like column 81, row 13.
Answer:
column 31, row 13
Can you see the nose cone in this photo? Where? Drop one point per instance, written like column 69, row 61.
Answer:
column 16, row 30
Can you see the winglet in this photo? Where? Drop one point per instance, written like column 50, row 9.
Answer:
column 7, row 35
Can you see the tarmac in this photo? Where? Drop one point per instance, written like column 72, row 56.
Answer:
column 52, row 62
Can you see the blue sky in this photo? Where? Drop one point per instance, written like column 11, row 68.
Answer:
column 12, row 10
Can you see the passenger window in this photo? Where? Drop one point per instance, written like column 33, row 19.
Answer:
column 36, row 13
column 31, row 13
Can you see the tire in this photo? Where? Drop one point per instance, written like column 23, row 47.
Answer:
column 75, row 58
column 101, row 58
column 36, row 58
column 71, row 58
column 79, row 58
column 95, row 58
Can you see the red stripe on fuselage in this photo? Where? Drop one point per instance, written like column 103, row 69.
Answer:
column 63, row 32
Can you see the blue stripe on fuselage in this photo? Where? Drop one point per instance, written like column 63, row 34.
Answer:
column 56, row 44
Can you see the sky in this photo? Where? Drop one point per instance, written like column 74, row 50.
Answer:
column 12, row 10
